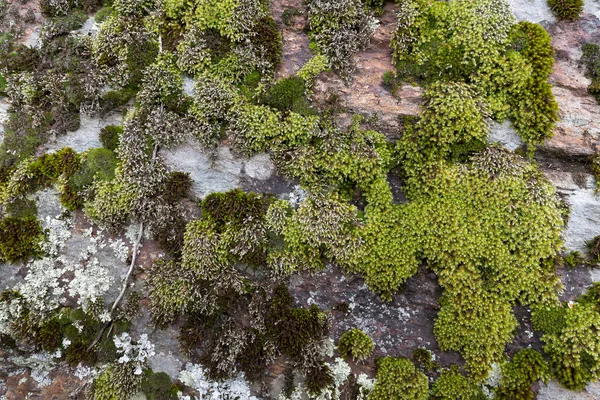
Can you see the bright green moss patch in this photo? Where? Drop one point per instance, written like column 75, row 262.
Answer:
column 398, row 378
column 452, row 385
column 356, row 344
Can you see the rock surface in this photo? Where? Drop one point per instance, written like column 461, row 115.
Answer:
column 88, row 134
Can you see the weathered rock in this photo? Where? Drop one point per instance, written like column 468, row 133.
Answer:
column 365, row 94
column 88, row 134
column 259, row 167
column 208, row 176
column 578, row 131
column 3, row 115
column 554, row 391
column 584, row 220
column 505, row 134
column 295, row 41
column 532, row 10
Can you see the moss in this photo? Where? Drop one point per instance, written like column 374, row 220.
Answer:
column 591, row 60
column 452, row 385
column 268, row 37
column 573, row 259
column 356, row 343
column 286, row 94
column 526, row 367
column 102, row 14
column 20, row 238
column 158, row 386
column 593, row 249
column 398, row 378
column 292, row 329
column 116, row 99
column 22, row 208
column 318, row 378
column 595, row 164
column 550, row 320
column 423, row 359
column 566, row 9
column 109, row 136
column 233, row 208
column 178, row 186
column 49, row 167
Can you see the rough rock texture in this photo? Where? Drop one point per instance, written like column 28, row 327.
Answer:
column 584, row 221
column 365, row 94
column 3, row 116
column 553, row 391
column 219, row 174
column 87, row 136
column 578, row 132
column 295, row 41
column 505, row 134
column 532, row 10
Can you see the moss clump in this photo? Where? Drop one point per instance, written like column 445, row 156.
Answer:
column 109, row 136
column 573, row 344
column 566, row 9
column 158, row 386
column 102, row 14
column 20, row 238
column 356, row 344
column 526, row 367
column 286, row 95
column 423, row 358
column 452, row 385
column 231, row 209
column 289, row 16
column 293, row 329
column 398, row 378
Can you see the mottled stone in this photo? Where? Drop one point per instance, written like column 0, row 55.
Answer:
column 87, row 136
column 259, row 167
column 505, row 134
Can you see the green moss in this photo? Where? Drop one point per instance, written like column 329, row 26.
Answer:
column 102, row 14
column 22, row 208
column 573, row 259
column 286, row 94
column 49, row 167
column 573, row 344
column 20, row 238
column 526, row 367
column 593, row 249
column 357, row 344
column 232, row 208
column 292, row 329
column 452, row 385
column 318, row 378
column 109, row 136
column 566, row 9
column 550, row 320
column 591, row 61
column 158, row 386
column 178, row 186
column 397, row 378
column 424, row 359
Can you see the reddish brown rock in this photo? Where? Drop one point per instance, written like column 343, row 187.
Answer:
column 578, row 131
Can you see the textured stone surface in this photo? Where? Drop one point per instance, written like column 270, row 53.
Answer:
column 88, row 134
column 259, row 167
column 584, row 220
column 3, row 116
column 553, row 391
column 532, row 10
column 578, row 131
column 505, row 134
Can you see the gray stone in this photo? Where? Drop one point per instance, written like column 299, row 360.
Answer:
column 33, row 40
column 505, row 134
column 208, row 176
column 592, row 7
column 10, row 276
column 3, row 115
column 188, row 85
column 88, row 134
column 554, row 391
column 259, row 167
column 584, row 220
column 532, row 10
column 90, row 27
column 48, row 204
column 168, row 357
column 595, row 274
